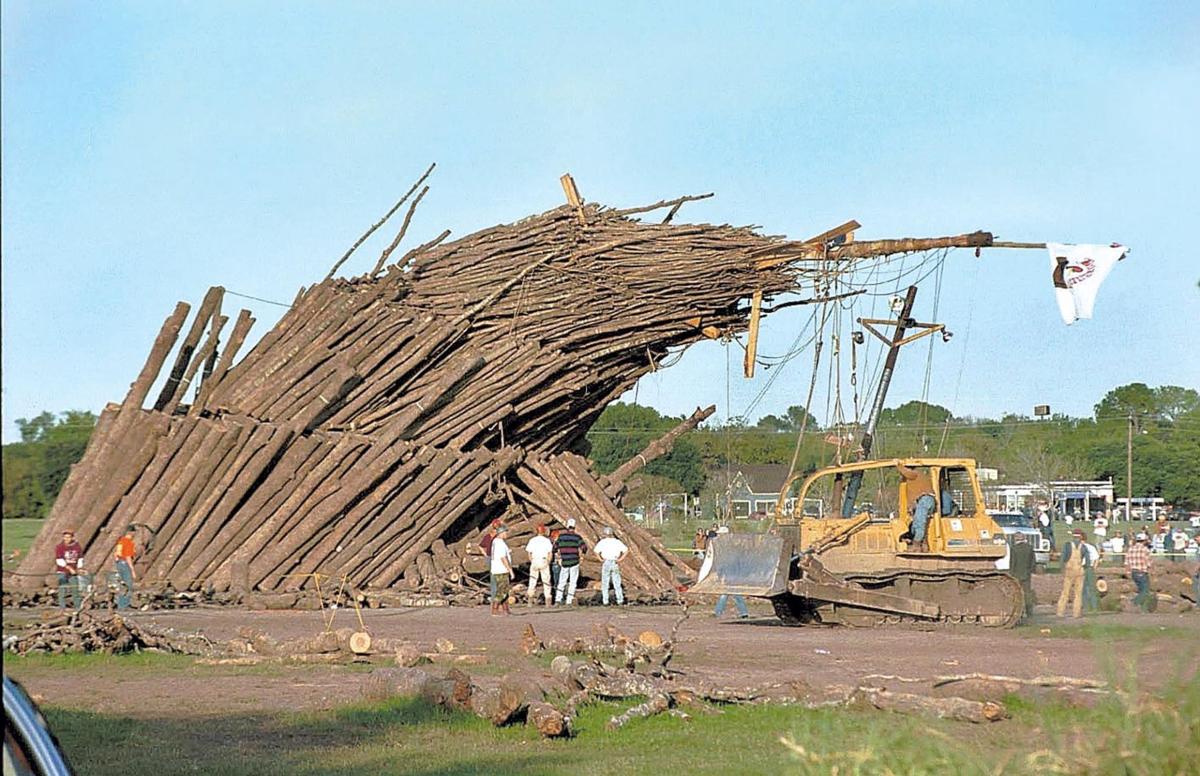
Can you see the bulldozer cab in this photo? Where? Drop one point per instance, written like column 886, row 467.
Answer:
column 869, row 509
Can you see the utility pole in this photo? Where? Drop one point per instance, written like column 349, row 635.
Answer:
column 903, row 322
column 1129, row 470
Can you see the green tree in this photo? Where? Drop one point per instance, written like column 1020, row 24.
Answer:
column 623, row 430
column 793, row 420
column 1135, row 399
column 1173, row 402
column 773, row 423
column 914, row 412
column 36, row 467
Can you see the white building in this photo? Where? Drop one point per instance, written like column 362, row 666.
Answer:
column 1077, row 497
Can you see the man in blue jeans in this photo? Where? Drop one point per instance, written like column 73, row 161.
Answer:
column 68, row 564
column 123, row 564
column 920, row 490
column 738, row 602
column 611, row 551
column 570, row 548
column 1137, row 563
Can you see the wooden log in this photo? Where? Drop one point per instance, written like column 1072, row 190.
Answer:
column 271, row 352
column 655, row 704
column 208, row 308
column 178, row 526
column 269, row 530
column 464, row 498
column 386, row 683
column 340, row 540
column 263, row 453
column 207, row 517
column 337, row 265
column 945, row 708
column 209, row 347
column 548, row 721
column 241, row 328
column 866, row 248
column 263, row 499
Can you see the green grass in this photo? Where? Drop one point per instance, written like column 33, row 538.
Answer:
column 407, row 737
column 97, row 661
column 162, row 664
column 1101, row 631
column 18, row 534
column 1130, row 734
column 410, row 737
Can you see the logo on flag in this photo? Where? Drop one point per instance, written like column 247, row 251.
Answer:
column 1077, row 272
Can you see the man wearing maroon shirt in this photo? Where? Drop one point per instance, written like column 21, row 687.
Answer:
column 68, row 563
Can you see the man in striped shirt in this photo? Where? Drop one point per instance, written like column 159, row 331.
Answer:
column 1137, row 562
column 570, row 547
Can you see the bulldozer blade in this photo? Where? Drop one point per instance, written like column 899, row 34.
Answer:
column 746, row 564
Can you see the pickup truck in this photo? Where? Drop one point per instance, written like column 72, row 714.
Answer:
column 1014, row 523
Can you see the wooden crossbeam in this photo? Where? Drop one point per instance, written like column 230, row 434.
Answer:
column 573, row 198
column 752, row 341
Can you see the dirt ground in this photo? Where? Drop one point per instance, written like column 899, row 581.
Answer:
column 758, row 650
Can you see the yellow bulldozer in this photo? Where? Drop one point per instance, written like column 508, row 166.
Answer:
column 833, row 556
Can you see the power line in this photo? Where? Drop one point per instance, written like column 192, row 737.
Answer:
column 257, row 298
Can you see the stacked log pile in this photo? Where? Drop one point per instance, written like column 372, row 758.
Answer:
column 387, row 417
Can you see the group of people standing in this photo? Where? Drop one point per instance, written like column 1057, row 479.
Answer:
column 1079, row 560
column 72, row 580
column 554, row 560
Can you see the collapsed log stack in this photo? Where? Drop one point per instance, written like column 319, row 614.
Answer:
column 370, row 434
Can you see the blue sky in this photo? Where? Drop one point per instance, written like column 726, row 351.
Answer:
column 151, row 150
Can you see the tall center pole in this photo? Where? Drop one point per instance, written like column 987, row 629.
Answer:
column 1129, row 470
column 885, row 380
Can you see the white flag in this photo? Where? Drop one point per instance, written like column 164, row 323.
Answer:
column 1078, row 271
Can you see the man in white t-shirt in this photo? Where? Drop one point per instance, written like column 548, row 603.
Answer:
column 501, row 571
column 1044, row 525
column 611, row 551
column 539, row 549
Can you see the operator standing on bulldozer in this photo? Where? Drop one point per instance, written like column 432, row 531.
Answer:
column 922, row 504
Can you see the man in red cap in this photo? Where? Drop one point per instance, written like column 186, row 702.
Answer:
column 1073, row 560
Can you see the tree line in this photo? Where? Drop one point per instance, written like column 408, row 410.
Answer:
column 1163, row 422
column 36, row 467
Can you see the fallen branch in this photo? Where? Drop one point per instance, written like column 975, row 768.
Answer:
column 656, row 704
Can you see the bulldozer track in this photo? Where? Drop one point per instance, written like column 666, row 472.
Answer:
column 975, row 598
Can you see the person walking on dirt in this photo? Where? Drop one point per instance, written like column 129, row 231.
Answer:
column 1021, row 563
column 570, row 548
column 922, row 504
column 1137, row 563
column 555, row 561
column 1073, row 559
column 123, row 562
column 739, row 602
column 1091, row 558
column 611, row 551
column 68, row 564
column 485, row 544
column 539, row 550
column 502, row 571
